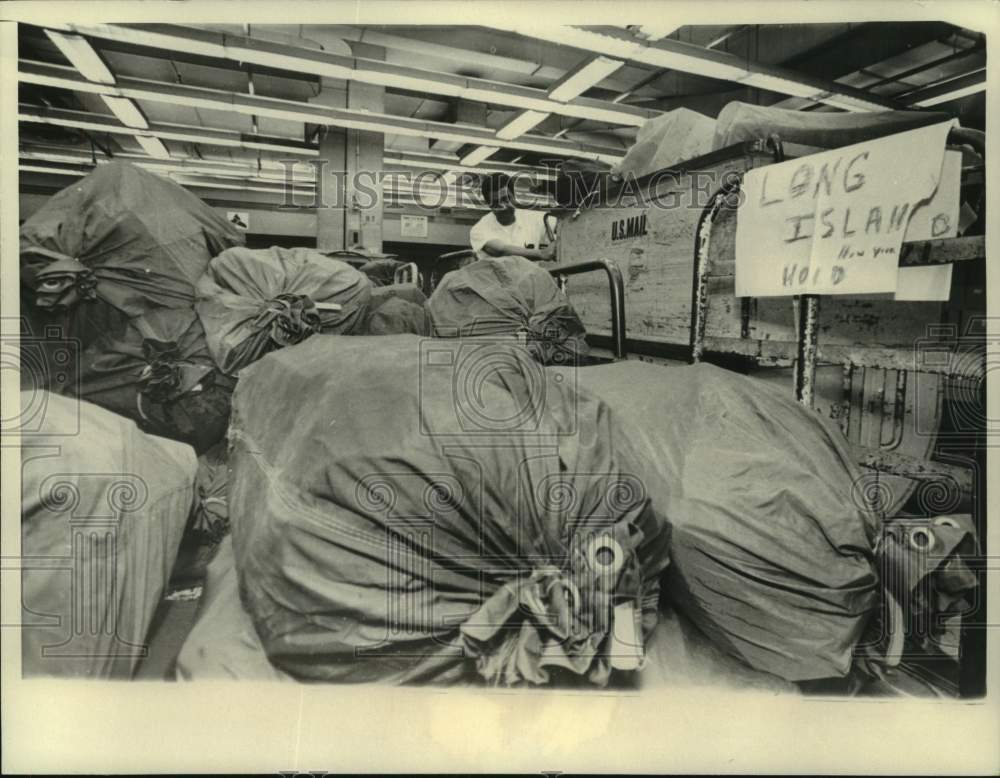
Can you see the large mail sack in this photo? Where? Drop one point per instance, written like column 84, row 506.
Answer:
column 739, row 122
column 435, row 514
column 772, row 552
column 505, row 296
column 108, row 269
column 122, row 236
column 397, row 309
column 103, row 508
column 255, row 301
column 156, row 370
column 672, row 137
column 382, row 271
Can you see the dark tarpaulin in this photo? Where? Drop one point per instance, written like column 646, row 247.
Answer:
column 156, row 370
column 254, row 301
column 210, row 516
column 132, row 238
column 398, row 309
column 434, row 511
column 506, row 296
column 382, row 272
column 770, row 556
column 109, row 265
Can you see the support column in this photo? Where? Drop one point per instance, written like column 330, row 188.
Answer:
column 350, row 212
column 330, row 169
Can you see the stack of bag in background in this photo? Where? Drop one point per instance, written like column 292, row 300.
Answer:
column 398, row 309
column 112, row 262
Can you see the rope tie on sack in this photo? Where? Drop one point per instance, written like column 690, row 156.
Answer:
column 167, row 375
column 290, row 318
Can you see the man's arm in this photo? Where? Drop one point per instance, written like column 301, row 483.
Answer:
column 498, row 248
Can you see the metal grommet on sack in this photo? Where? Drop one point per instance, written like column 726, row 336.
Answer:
column 605, row 555
column 922, row 539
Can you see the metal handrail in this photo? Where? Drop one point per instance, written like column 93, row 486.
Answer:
column 617, row 288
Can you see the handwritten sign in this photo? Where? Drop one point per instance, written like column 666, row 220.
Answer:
column 833, row 222
column 938, row 218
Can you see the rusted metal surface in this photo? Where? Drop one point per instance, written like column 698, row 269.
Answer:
column 703, row 265
column 913, row 254
column 943, row 251
column 916, row 468
column 885, row 393
column 805, row 352
column 844, row 408
column 778, row 354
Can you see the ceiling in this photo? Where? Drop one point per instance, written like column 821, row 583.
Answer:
column 220, row 105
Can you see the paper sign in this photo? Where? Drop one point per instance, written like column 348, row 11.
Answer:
column 833, row 222
column 413, row 226
column 241, row 219
column 938, row 218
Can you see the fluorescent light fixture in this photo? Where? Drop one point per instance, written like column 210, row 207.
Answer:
column 153, row 146
column 54, row 170
column 520, row 124
column 797, row 89
column 145, row 37
column 82, row 56
column 654, row 32
column 780, row 85
column 126, row 111
column 591, row 74
column 477, row 155
column 589, row 40
column 847, row 102
column 955, row 95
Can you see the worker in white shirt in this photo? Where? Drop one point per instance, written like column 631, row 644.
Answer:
column 507, row 230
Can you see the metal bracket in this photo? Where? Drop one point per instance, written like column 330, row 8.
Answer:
column 617, row 292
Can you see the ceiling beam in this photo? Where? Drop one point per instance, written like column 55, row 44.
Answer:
column 92, row 122
column 865, row 45
column 45, row 74
column 572, row 84
column 81, row 55
column 687, row 58
column 82, row 120
column 193, row 173
column 294, row 59
column 472, row 47
column 947, row 90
